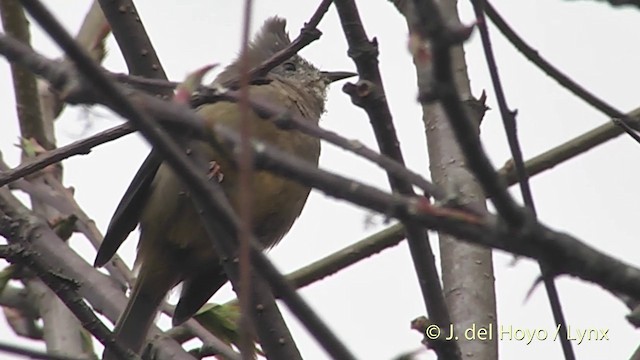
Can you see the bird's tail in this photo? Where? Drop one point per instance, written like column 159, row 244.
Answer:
column 136, row 320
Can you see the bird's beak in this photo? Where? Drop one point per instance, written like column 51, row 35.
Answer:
column 337, row 75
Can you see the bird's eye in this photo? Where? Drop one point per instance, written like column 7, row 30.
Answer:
column 289, row 66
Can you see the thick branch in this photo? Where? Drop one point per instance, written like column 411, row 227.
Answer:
column 18, row 225
column 64, row 288
column 132, row 38
column 509, row 121
column 369, row 94
column 209, row 200
column 564, row 254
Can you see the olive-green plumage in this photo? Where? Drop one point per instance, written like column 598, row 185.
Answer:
column 174, row 247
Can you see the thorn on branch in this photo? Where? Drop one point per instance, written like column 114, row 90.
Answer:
column 456, row 35
column 477, row 107
column 433, row 335
column 367, row 50
column 310, row 32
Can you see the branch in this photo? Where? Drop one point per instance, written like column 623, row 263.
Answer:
column 571, row 255
column 64, row 288
column 467, row 284
column 347, row 256
column 103, row 294
column 618, row 118
column 27, row 104
column 564, row 253
column 430, row 26
column 370, row 96
column 246, row 341
column 568, row 150
column 509, row 121
column 17, row 298
column 61, row 331
column 132, row 38
column 22, row 323
column 308, row 34
column 56, row 196
column 622, row 2
column 209, row 199
column 327, row 265
column 33, row 354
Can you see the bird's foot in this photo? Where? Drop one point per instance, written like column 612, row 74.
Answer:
column 215, row 172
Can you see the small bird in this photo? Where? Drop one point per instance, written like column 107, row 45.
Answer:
column 174, row 247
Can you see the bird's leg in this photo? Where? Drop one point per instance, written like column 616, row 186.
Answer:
column 215, row 172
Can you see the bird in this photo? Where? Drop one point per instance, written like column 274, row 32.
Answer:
column 174, row 247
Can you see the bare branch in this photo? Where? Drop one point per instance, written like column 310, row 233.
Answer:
column 622, row 2
column 207, row 195
column 33, row 354
column 15, row 23
column 509, row 121
column 132, row 38
column 370, row 96
column 618, row 118
column 104, row 295
column 467, row 270
column 568, row 150
column 564, row 253
column 64, row 288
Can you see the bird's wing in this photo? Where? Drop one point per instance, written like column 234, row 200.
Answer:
column 127, row 214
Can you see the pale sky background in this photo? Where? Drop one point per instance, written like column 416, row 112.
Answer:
column 370, row 305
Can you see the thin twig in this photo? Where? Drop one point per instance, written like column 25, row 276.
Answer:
column 281, row 117
column 564, row 253
column 308, row 34
column 327, row 265
column 208, row 195
column 567, row 150
column 509, row 121
column 19, row 225
column 431, row 26
column 245, row 195
column 622, row 2
column 369, row 94
column 135, row 45
column 619, row 118
column 80, row 147
column 33, row 354
column 61, row 331
column 65, row 289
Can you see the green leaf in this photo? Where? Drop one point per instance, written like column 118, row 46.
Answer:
column 222, row 321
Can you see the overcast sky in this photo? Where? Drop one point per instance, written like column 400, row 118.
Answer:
column 370, row 305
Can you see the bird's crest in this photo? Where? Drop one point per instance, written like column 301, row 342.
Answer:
column 271, row 38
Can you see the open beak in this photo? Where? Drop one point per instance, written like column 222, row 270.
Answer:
column 337, row 75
